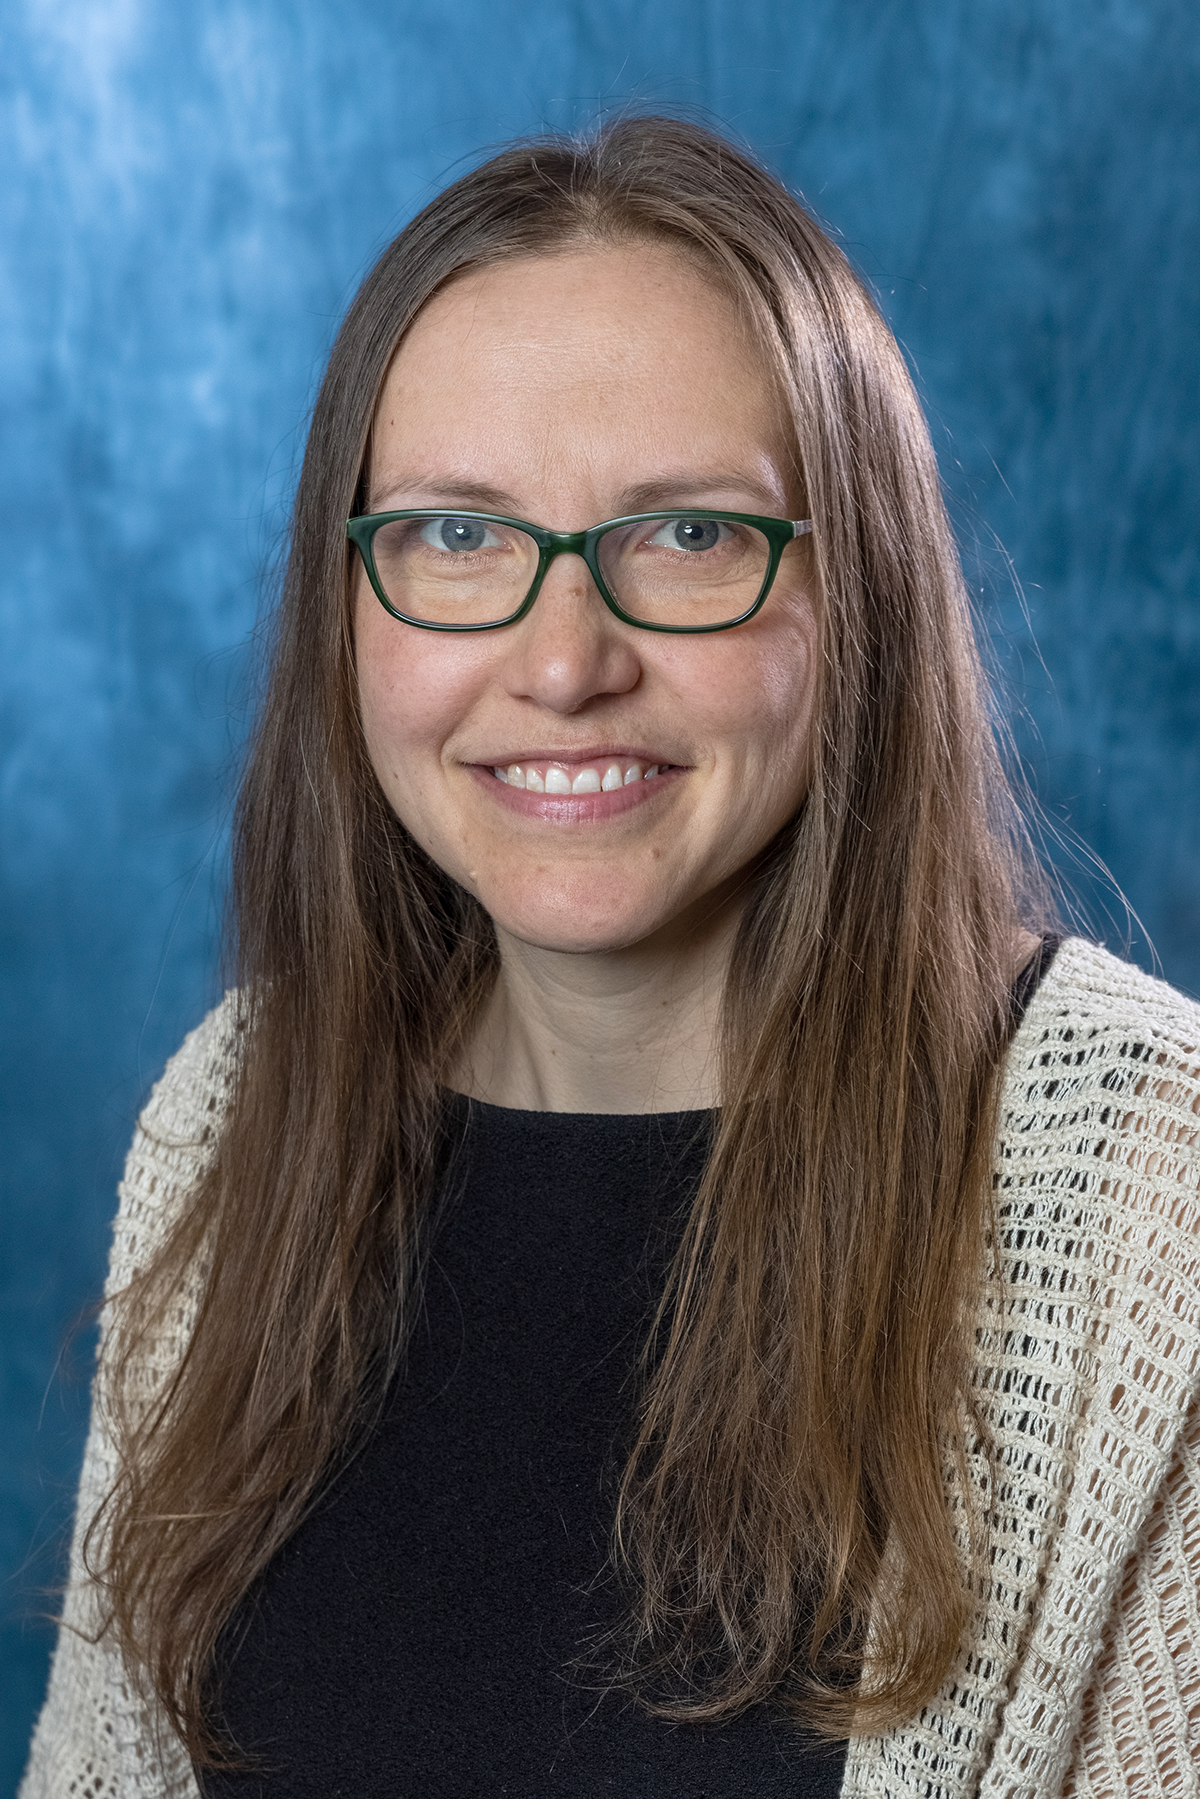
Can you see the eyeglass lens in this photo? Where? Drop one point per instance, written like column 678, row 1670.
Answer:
column 452, row 569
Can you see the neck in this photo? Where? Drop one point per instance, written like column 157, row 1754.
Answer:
column 626, row 1030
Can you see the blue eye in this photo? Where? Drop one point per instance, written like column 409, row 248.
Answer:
column 456, row 534
column 689, row 534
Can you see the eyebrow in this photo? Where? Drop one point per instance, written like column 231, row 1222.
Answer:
column 476, row 494
column 683, row 489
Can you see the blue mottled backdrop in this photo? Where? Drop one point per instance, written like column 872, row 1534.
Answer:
column 188, row 197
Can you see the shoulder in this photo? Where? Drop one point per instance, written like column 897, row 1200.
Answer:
column 1098, row 1163
column 1095, row 1018
column 176, row 1134
column 1104, row 1076
column 194, row 1085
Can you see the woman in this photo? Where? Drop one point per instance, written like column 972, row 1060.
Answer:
column 664, row 1278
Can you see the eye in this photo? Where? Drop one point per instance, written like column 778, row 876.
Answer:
column 690, row 534
column 451, row 533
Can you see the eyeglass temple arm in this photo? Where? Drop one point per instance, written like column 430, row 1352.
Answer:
column 801, row 527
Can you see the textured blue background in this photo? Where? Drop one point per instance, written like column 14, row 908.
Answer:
column 188, row 197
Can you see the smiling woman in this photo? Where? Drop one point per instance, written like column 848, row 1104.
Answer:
column 567, row 1304
column 649, row 767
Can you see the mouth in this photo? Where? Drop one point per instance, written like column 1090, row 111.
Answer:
column 580, row 790
column 604, row 774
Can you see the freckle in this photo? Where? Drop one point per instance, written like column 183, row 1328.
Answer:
column 655, row 852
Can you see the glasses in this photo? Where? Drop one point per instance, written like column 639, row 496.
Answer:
column 662, row 571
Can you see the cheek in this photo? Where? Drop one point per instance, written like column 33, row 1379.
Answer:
column 409, row 699
column 784, row 691
column 758, row 694
column 787, row 680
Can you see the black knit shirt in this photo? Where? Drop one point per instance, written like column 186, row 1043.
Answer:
column 421, row 1634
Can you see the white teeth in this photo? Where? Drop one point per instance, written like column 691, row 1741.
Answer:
column 588, row 780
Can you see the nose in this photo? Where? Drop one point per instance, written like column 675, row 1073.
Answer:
column 569, row 649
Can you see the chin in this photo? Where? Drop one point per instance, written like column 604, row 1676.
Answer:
column 576, row 931
column 566, row 941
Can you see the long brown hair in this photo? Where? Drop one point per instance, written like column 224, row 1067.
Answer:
column 805, row 1391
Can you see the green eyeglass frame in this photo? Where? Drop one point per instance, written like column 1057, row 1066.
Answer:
column 779, row 532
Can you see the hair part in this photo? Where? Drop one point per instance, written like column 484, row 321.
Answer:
column 805, row 1392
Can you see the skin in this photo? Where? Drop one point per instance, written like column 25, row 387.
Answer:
column 566, row 390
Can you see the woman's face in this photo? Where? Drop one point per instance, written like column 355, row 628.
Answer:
column 566, row 390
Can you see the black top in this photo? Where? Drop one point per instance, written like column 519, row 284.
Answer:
column 416, row 1636
column 420, row 1635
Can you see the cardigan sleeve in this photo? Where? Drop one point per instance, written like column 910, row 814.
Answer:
column 97, row 1734
column 1140, row 1730
column 1086, row 1378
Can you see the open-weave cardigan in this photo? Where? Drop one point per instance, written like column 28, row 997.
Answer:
column 1081, row 1674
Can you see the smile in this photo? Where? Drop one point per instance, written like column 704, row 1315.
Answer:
column 562, row 791
column 606, row 775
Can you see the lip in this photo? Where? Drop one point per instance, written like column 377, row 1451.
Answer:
column 574, row 808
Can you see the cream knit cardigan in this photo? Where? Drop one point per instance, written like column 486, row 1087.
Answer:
column 1082, row 1672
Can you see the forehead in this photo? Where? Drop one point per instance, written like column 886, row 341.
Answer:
column 591, row 355
column 599, row 303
